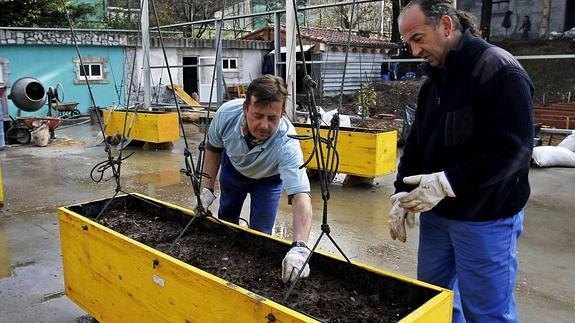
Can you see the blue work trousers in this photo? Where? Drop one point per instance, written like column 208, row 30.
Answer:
column 477, row 260
column 265, row 194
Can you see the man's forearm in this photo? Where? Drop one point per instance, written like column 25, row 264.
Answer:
column 211, row 167
column 302, row 213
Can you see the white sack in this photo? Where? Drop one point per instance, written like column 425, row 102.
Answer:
column 549, row 156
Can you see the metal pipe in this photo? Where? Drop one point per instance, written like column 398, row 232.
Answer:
column 557, row 131
column 193, row 65
column 291, row 44
column 146, row 49
column 267, row 13
column 520, row 57
column 219, row 59
column 82, row 30
column 277, row 43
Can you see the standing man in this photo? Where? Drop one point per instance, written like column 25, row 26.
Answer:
column 526, row 27
column 466, row 161
column 248, row 143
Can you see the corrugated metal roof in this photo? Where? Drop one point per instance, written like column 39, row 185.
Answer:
column 203, row 43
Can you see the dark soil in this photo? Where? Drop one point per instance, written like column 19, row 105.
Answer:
column 387, row 115
column 334, row 292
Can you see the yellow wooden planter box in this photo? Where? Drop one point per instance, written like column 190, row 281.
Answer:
column 362, row 152
column 148, row 126
column 117, row 279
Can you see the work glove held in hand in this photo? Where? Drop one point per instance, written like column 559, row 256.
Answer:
column 431, row 189
column 207, row 198
column 292, row 263
column 398, row 218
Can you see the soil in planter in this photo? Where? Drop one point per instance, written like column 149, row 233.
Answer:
column 334, row 292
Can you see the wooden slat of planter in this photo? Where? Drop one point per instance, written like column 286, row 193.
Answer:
column 566, row 106
column 556, row 121
column 554, row 113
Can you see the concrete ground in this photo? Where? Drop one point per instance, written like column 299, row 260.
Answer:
column 39, row 180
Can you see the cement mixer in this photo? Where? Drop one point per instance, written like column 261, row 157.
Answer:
column 29, row 95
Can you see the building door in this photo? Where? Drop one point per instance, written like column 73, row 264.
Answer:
column 190, row 75
column 569, row 14
column 205, row 74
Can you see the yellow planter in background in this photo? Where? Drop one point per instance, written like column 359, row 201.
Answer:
column 148, row 126
column 362, row 152
column 117, row 279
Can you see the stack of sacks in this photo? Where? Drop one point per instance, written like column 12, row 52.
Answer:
column 561, row 156
column 344, row 120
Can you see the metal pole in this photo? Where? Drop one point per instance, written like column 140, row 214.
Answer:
column 267, row 13
column 290, row 60
column 219, row 61
column 277, row 43
column 146, row 55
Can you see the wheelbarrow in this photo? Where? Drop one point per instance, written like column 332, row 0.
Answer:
column 20, row 128
column 66, row 109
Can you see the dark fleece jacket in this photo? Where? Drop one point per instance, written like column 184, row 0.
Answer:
column 475, row 122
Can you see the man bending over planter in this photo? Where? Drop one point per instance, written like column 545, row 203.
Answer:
column 248, row 143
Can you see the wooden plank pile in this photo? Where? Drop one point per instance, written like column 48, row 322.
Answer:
column 557, row 115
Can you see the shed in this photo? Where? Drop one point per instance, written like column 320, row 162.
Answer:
column 190, row 60
column 325, row 57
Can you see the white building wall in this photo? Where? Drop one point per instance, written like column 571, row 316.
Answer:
column 249, row 67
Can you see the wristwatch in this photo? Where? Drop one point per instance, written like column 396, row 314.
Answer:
column 298, row 243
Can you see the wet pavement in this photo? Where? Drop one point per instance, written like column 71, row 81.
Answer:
column 39, row 180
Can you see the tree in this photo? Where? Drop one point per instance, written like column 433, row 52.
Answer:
column 125, row 14
column 544, row 28
column 45, row 13
column 396, row 6
column 485, row 24
column 367, row 16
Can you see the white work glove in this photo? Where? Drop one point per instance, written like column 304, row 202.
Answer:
column 431, row 189
column 398, row 218
column 207, row 198
column 292, row 263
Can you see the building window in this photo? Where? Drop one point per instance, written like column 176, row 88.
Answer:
column 4, row 71
column 95, row 69
column 230, row 64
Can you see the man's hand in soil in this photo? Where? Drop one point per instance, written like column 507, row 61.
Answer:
column 292, row 263
column 207, row 197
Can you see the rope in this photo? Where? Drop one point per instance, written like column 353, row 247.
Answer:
column 110, row 160
column 328, row 166
column 195, row 172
